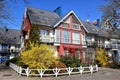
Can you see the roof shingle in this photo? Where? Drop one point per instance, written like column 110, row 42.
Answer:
column 42, row 17
column 11, row 36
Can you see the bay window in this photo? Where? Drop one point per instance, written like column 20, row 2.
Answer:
column 57, row 35
column 76, row 38
column 66, row 36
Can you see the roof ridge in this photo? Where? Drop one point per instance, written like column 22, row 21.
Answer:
column 42, row 10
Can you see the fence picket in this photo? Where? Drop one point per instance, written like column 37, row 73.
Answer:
column 56, row 71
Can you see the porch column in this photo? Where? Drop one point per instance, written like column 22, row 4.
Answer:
column 61, row 50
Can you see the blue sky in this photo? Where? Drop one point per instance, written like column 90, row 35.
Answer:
column 84, row 9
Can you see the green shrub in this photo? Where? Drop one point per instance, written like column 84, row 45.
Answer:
column 13, row 60
column 71, row 61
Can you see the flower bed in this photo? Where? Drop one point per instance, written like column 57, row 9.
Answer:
column 53, row 72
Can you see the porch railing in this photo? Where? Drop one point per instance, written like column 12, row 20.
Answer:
column 115, row 46
column 47, row 39
column 53, row 72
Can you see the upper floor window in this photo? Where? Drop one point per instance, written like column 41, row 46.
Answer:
column 57, row 35
column 76, row 27
column 65, row 25
column 5, row 46
column 76, row 38
column 66, row 36
column 44, row 32
column 89, row 38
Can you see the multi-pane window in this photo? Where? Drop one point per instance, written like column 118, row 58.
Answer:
column 66, row 36
column 65, row 25
column 89, row 40
column 76, row 27
column 4, row 47
column 57, row 35
column 76, row 38
column 83, row 39
column 44, row 32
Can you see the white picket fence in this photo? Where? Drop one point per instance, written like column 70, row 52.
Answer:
column 53, row 72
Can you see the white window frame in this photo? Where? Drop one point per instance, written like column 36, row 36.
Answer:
column 57, row 35
column 76, row 26
column 65, row 36
column 74, row 39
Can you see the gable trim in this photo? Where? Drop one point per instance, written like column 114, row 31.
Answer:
column 71, row 12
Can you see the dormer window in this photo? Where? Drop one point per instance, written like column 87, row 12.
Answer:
column 44, row 32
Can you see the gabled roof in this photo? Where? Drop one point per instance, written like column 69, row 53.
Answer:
column 42, row 17
column 91, row 28
column 64, row 17
column 103, row 33
column 11, row 36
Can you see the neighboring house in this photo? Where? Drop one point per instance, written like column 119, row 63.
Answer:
column 114, row 40
column 91, row 42
column 9, row 42
column 66, row 33
column 100, row 37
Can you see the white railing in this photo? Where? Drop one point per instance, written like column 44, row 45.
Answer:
column 54, row 72
column 47, row 39
column 115, row 46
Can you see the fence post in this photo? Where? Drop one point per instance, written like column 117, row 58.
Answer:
column 20, row 71
column 96, row 67
column 41, row 72
column 81, row 69
column 27, row 71
column 91, row 69
column 56, row 71
column 69, row 70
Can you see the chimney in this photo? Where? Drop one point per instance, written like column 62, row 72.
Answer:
column 58, row 11
column 97, row 23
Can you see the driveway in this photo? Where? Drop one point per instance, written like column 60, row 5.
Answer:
column 103, row 74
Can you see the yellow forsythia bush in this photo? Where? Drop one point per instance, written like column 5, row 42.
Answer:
column 101, row 57
column 39, row 56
